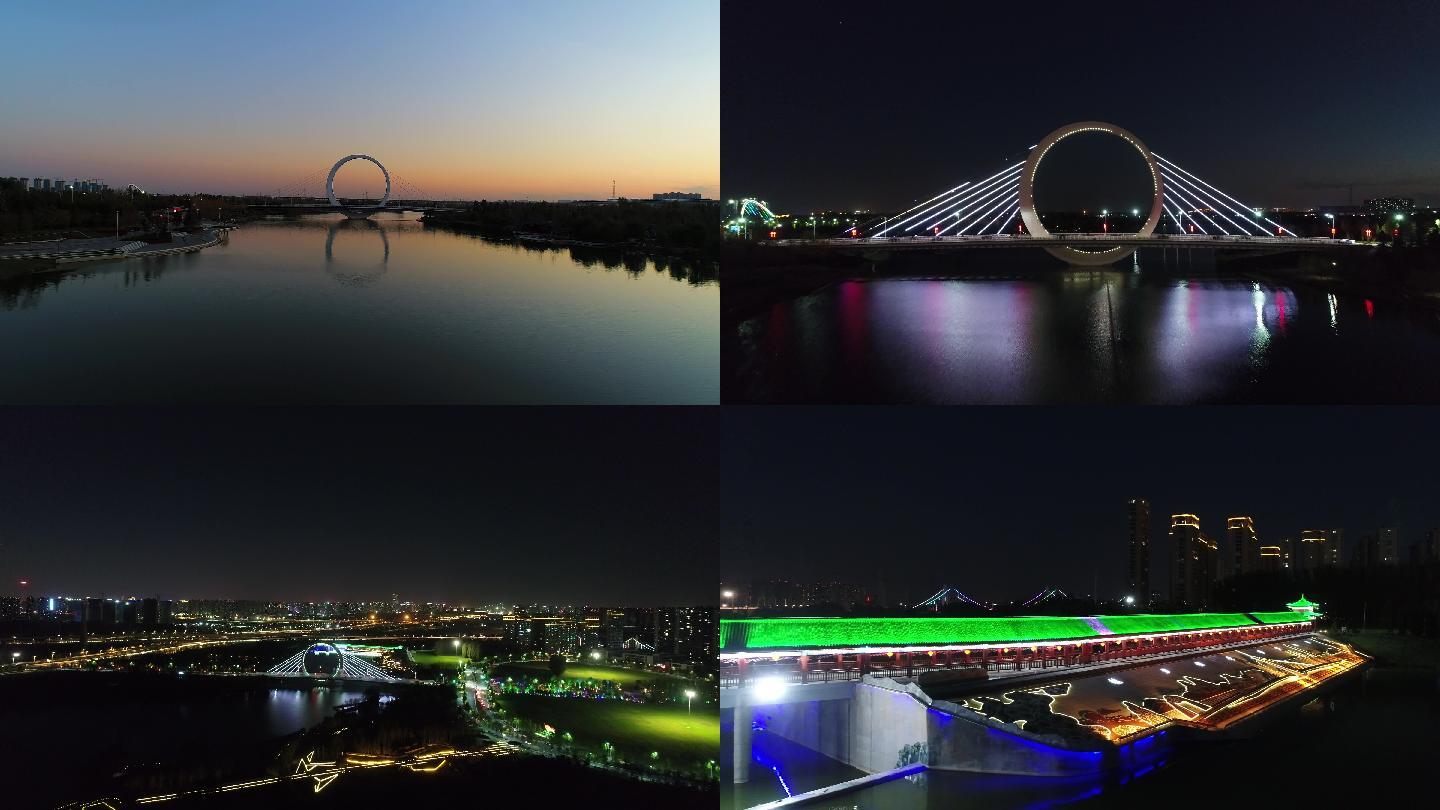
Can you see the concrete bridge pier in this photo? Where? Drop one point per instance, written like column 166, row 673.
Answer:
column 743, row 731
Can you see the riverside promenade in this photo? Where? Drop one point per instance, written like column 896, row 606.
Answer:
column 28, row 258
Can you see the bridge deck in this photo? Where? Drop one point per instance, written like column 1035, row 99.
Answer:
column 1080, row 241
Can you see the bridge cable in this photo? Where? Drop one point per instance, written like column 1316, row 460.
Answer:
column 974, row 195
column 999, row 191
column 1001, row 214
column 977, row 195
column 1182, row 200
column 971, row 186
column 1215, row 205
column 1201, row 180
column 1002, row 201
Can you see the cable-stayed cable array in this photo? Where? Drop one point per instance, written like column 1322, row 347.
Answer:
column 988, row 206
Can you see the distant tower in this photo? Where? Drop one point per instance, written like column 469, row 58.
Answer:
column 1193, row 573
column 1139, row 531
column 1242, row 548
column 612, row 189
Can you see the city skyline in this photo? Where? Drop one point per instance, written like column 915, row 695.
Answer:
column 933, row 502
column 1305, row 114
column 462, row 100
column 594, row 507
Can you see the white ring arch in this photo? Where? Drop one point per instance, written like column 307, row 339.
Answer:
column 1027, row 193
column 330, row 181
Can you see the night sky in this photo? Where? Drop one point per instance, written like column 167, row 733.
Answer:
column 476, row 505
column 1002, row 502
column 850, row 105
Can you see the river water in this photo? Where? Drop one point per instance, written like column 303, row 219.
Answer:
column 64, row 729
column 325, row 310
column 1045, row 334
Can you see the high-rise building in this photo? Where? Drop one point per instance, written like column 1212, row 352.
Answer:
column 1139, row 536
column 1271, row 559
column 1387, row 547
column 1431, row 552
column 1242, row 548
column 1317, row 548
column 1193, row 572
column 613, row 629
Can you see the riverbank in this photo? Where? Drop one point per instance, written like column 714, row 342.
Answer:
column 1403, row 276
column 682, row 230
column 31, row 258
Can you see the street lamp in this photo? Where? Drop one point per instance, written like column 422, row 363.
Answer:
column 689, row 696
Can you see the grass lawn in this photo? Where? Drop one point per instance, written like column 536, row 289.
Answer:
column 1391, row 649
column 600, row 672
column 429, row 659
column 635, row 729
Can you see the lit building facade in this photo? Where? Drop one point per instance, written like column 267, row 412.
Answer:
column 1193, row 570
column 1241, row 554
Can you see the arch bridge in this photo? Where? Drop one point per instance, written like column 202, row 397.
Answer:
column 999, row 211
column 309, row 195
column 324, row 660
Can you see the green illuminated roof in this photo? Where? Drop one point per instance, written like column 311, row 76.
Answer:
column 791, row 634
column 1170, row 622
column 1302, row 602
column 1280, row 617
column 820, row 633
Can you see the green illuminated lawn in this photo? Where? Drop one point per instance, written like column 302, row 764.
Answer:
column 635, row 729
column 429, row 659
column 621, row 675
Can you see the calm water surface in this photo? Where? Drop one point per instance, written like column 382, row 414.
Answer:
column 1073, row 336
column 127, row 720
column 327, row 310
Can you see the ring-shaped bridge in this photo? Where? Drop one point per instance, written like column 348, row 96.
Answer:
column 1027, row 193
column 330, row 181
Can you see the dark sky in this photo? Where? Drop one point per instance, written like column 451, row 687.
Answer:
column 851, row 105
column 1001, row 502
column 557, row 505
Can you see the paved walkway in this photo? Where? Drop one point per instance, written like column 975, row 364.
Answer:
column 57, row 252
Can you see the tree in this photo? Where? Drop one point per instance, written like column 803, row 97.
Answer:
column 557, row 665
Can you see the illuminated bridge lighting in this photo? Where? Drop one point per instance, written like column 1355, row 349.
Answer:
column 1154, row 698
column 793, row 636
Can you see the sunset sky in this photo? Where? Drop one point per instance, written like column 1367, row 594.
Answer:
column 549, row 99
